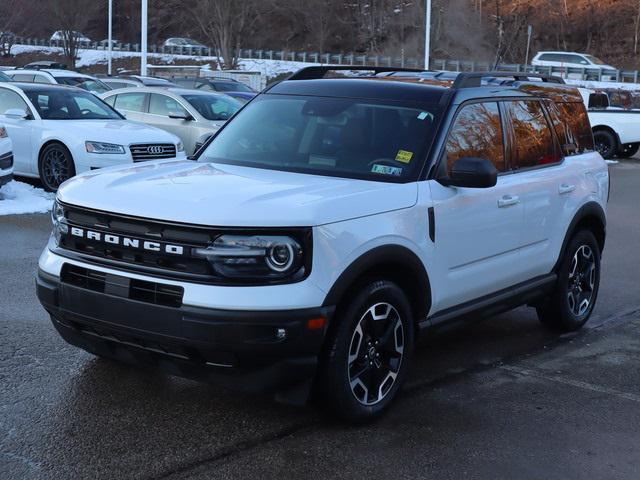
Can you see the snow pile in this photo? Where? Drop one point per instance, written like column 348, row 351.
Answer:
column 593, row 85
column 18, row 198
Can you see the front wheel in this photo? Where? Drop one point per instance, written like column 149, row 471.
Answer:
column 55, row 166
column 606, row 143
column 574, row 297
column 367, row 353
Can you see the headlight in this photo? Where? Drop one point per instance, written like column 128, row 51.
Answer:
column 180, row 147
column 3, row 132
column 101, row 147
column 256, row 257
column 59, row 221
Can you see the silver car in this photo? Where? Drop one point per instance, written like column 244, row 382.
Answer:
column 192, row 115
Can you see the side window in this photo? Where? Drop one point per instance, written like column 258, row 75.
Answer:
column 133, row 102
column 23, row 77
column 163, row 105
column 9, row 100
column 571, row 123
column 111, row 100
column 477, row 132
column 40, row 79
column 533, row 142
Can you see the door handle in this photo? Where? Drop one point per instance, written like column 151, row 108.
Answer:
column 508, row 200
column 566, row 188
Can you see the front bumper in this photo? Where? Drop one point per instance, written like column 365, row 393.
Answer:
column 243, row 350
column 5, row 177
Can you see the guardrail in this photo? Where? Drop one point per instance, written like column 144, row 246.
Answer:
column 589, row 74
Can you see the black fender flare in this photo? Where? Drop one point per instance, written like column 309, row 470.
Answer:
column 407, row 263
column 588, row 210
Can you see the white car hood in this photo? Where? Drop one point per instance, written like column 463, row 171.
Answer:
column 121, row 132
column 225, row 195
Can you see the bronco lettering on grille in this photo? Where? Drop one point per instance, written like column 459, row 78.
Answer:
column 127, row 242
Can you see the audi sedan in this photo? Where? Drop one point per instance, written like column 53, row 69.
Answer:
column 59, row 131
column 192, row 115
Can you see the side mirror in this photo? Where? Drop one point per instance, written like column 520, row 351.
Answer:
column 472, row 172
column 180, row 116
column 17, row 114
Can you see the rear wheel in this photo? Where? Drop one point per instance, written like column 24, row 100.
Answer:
column 576, row 291
column 628, row 150
column 606, row 143
column 55, row 166
column 368, row 352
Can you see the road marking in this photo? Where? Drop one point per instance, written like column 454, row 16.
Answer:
column 573, row 383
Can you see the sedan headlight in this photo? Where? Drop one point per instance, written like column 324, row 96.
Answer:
column 180, row 147
column 101, row 147
column 59, row 221
column 256, row 257
column 3, row 132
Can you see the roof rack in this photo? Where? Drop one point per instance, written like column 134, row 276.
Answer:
column 474, row 79
column 317, row 72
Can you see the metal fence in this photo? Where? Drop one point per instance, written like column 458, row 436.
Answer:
column 590, row 74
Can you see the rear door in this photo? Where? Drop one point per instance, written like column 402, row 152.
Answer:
column 477, row 230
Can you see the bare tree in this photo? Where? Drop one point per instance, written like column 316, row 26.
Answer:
column 10, row 13
column 72, row 18
column 223, row 23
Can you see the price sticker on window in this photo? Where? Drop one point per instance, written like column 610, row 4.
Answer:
column 404, row 156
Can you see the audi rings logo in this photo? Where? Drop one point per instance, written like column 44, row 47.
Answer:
column 155, row 150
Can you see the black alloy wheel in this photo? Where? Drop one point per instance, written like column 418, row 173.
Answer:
column 55, row 166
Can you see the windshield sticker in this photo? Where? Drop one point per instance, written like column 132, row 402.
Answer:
column 404, row 156
column 386, row 170
column 423, row 115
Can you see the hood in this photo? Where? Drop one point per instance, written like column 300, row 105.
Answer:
column 122, row 132
column 224, row 195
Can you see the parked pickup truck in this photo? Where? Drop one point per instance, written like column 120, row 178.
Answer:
column 615, row 131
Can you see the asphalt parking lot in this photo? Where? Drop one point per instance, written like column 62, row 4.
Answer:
column 503, row 399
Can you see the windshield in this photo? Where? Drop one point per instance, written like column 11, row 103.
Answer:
column 594, row 60
column 231, row 87
column 214, row 107
column 353, row 138
column 89, row 84
column 63, row 104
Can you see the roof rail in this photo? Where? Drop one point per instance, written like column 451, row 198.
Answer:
column 474, row 79
column 316, row 72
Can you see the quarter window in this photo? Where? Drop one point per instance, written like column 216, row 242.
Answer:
column 477, row 132
column 533, row 142
column 572, row 127
column 163, row 105
column 133, row 102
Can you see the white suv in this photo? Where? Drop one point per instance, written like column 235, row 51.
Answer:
column 327, row 225
column 572, row 64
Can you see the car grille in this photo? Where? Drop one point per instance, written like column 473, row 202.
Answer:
column 139, row 290
column 152, row 151
column 6, row 161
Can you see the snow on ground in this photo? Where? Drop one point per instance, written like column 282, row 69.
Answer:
column 268, row 68
column 18, row 198
column 596, row 85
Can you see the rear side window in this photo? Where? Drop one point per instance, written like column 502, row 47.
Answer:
column 133, row 102
column 22, row 77
column 533, row 142
column 477, row 132
column 572, row 127
column 111, row 100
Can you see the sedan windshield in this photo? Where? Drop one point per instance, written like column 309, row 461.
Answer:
column 231, row 87
column 214, row 107
column 353, row 138
column 71, row 104
column 89, row 84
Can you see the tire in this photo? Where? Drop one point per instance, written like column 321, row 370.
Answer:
column 606, row 143
column 358, row 377
column 628, row 150
column 576, row 291
column 55, row 165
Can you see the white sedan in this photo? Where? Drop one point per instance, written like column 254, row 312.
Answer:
column 6, row 157
column 60, row 131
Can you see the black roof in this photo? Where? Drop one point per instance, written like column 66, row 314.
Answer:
column 424, row 86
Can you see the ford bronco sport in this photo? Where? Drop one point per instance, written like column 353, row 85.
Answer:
column 327, row 225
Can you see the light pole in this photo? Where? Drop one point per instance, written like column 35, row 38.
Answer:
column 143, row 40
column 427, row 33
column 109, row 37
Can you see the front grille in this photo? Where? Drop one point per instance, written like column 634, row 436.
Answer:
column 152, row 151
column 140, row 290
column 6, row 161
